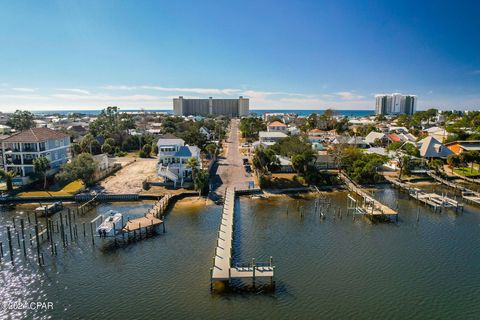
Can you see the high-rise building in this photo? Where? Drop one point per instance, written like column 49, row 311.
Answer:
column 228, row 107
column 395, row 103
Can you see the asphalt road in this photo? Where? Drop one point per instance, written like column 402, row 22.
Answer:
column 230, row 171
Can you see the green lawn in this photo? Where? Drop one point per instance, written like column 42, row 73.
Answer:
column 467, row 172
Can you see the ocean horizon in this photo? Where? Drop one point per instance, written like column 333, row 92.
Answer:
column 300, row 112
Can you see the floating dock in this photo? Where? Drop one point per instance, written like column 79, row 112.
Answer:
column 434, row 200
column 370, row 206
column 223, row 267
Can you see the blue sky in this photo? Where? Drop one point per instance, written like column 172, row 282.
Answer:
column 282, row 54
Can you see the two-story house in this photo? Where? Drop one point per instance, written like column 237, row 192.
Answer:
column 19, row 150
column 277, row 126
column 173, row 157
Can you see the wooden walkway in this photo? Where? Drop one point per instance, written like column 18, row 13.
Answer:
column 370, row 206
column 151, row 218
column 477, row 181
column 223, row 268
column 436, row 201
column 467, row 194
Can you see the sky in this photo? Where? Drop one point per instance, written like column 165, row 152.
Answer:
column 61, row 55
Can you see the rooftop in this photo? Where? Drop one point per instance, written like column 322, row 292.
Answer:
column 277, row 124
column 36, row 135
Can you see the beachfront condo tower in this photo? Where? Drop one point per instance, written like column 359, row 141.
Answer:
column 218, row 107
column 395, row 103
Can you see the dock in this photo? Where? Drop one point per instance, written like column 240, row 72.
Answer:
column 369, row 206
column 433, row 200
column 467, row 194
column 148, row 224
column 223, row 267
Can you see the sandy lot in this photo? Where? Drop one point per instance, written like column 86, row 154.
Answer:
column 130, row 178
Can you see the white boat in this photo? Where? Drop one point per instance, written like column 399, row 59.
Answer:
column 50, row 209
column 110, row 225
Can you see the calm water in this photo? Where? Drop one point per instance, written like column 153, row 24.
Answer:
column 335, row 268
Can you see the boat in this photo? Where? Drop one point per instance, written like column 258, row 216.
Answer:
column 110, row 225
column 50, row 208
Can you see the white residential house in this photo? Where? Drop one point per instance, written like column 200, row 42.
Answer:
column 19, row 150
column 440, row 134
column 293, row 130
column 432, row 148
column 173, row 156
column 277, row 126
column 265, row 136
column 373, row 137
column 206, row 132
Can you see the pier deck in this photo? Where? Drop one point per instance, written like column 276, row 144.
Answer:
column 223, row 269
column 371, row 206
column 431, row 199
column 467, row 194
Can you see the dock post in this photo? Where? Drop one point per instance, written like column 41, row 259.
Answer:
column 211, row 279
column 61, row 229
column 18, row 238
column 70, row 224
column 38, row 244
column 10, row 247
column 253, row 267
column 23, row 237
column 123, row 233
column 91, row 232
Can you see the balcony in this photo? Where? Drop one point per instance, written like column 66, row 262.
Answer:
column 27, row 161
column 29, row 149
column 13, row 162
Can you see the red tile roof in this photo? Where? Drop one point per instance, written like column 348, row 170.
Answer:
column 277, row 124
column 393, row 137
column 35, row 135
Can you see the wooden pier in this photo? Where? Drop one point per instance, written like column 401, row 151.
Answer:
column 434, row 200
column 369, row 207
column 467, row 194
column 148, row 224
column 223, row 267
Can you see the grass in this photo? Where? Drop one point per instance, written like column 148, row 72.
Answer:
column 467, row 172
column 68, row 190
column 284, row 181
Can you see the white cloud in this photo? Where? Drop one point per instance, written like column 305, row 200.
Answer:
column 202, row 91
column 110, row 98
column 23, row 97
column 348, row 95
column 25, row 89
column 212, row 91
column 73, row 90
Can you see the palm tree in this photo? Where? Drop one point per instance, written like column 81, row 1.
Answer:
column 42, row 165
column 453, row 161
column 87, row 142
column 201, row 181
column 8, row 177
column 192, row 163
column 211, row 149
